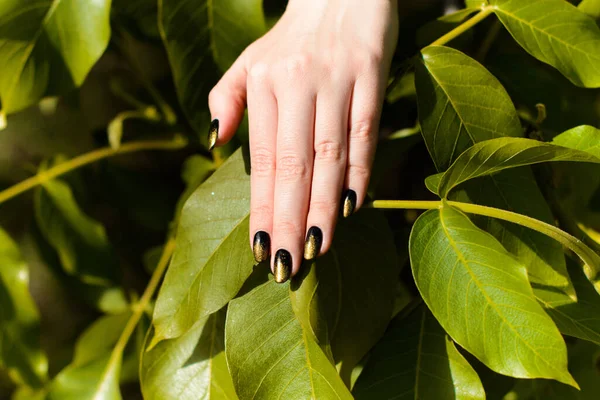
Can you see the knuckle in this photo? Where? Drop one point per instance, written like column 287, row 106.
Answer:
column 263, row 162
column 297, row 65
column 370, row 60
column 363, row 130
column 292, row 168
column 359, row 172
column 330, row 150
column 259, row 72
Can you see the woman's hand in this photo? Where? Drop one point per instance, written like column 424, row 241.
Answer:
column 314, row 86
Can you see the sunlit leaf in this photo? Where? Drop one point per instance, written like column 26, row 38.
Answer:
column 270, row 356
column 590, row 7
column 193, row 366
column 94, row 372
column 48, row 47
column 344, row 304
column 480, row 294
column 416, row 359
column 580, row 144
column 460, row 103
column 516, row 190
column 555, row 32
column 212, row 258
column 203, row 37
column 20, row 350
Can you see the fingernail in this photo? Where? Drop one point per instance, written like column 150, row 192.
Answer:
column 312, row 245
column 261, row 246
column 213, row 134
column 349, row 203
column 283, row 266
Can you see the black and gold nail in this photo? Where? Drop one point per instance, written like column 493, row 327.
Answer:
column 312, row 245
column 349, row 203
column 213, row 134
column 283, row 266
column 261, row 246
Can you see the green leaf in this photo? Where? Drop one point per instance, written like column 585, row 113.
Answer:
column 480, row 294
column 555, row 32
column 460, row 103
column 432, row 182
column 193, row 366
column 202, row 37
column 80, row 241
column 94, row 372
column 212, row 258
column 579, row 144
column 516, row 190
column 578, row 318
column 341, row 303
column 270, row 356
column 591, row 8
column 416, row 359
column 20, row 350
column 48, row 47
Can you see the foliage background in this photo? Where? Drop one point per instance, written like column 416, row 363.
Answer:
column 78, row 252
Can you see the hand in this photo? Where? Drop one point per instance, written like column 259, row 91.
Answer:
column 314, row 86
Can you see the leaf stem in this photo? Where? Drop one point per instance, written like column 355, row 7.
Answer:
column 587, row 255
column 140, row 307
column 465, row 26
column 173, row 144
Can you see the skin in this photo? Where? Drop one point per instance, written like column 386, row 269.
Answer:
column 314, row 87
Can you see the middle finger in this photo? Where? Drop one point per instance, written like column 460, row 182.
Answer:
column 293, row 178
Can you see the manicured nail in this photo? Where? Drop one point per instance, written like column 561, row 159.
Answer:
column 312, row 245
column 261, row 246
column 349, row 203
column 283, row 266
column 213, row 134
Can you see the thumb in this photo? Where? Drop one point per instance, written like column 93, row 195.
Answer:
column 227, row 102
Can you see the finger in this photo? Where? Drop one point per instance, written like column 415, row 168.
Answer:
column 293, row 177
column 331, row 149
column 262, row 115
column 365, row 111
column 227, row 101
